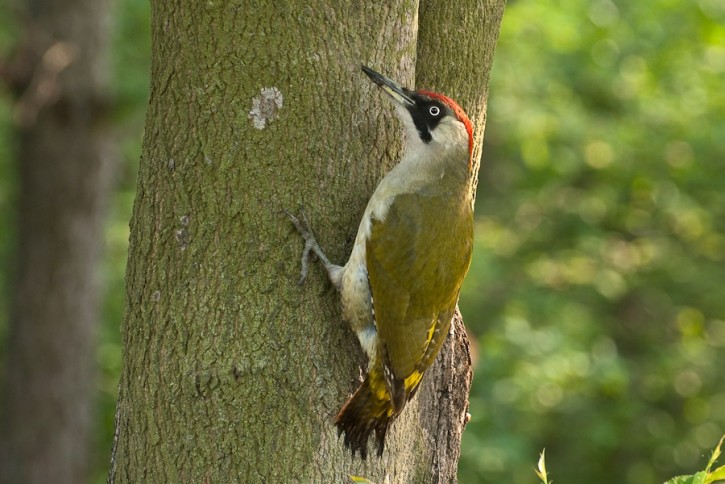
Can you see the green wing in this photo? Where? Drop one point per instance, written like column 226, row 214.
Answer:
column 417, row 259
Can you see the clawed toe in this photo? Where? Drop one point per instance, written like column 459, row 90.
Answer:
column 303, row 227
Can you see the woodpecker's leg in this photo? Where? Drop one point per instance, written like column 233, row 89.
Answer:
column 311, row 245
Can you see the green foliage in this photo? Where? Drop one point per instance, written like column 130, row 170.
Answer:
column 8, row 173
column 595, row 294
column 703, row 477
column 698, row 478
column 707, row 476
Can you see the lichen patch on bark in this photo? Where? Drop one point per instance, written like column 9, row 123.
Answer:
column 266, row 106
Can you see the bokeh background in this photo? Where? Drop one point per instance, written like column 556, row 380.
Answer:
column 596, row 299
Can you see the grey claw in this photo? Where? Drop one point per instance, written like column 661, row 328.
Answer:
column 303, row 227
column 311, row 245
column 305, row 258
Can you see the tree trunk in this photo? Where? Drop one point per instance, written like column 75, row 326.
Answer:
column 232, row 372
column 455, row 54
column 60, row 75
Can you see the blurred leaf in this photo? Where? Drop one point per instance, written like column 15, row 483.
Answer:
column 594, row 291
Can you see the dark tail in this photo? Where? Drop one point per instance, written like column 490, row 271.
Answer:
column 366, row 411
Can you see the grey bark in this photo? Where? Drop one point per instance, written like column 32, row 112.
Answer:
column 456, row 43
column 233, row 373
column 60, row 77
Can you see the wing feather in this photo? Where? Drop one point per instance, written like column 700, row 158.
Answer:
column 416, row 265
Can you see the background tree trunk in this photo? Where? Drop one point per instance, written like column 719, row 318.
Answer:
column 60, row 74
column 231, row 371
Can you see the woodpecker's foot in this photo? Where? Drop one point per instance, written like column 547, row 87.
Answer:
column 311, row 245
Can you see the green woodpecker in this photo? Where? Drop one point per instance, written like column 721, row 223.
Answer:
column 400, row 287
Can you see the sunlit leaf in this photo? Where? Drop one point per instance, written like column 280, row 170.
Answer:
column 363, row 480
column 717, row 475
column 541, row 468
column 715, row 455
column 698, row 478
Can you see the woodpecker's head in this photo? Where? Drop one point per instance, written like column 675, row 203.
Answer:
column 429, row 117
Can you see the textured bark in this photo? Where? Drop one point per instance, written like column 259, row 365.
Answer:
column 232, row 372
column 60, row 76
column 456, row 41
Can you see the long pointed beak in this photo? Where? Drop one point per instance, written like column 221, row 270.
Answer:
column 398, row 93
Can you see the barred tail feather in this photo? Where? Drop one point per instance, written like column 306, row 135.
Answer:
column 362, row 414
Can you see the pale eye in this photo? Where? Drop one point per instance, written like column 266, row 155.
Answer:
column 434, row 110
